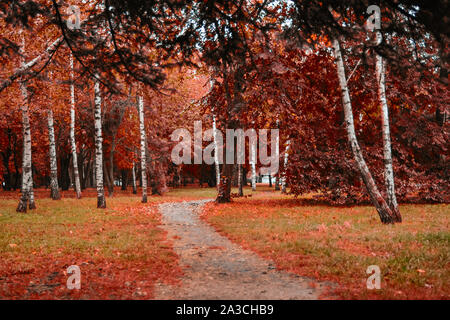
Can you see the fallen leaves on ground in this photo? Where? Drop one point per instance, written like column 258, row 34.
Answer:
column 122, row 252
column 338, row 243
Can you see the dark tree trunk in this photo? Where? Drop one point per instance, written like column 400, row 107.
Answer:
column 240, row 181
column 124, row 179
column 224, row 193
column 235, row 105
column 109, row 183
column 201, row 175
column 65, row 176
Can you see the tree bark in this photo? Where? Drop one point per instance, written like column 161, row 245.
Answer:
column 234, row 107
column 387, row 152
column 286, row 158
column 216, row 152
column 216, row 149
column 101, row 201
column 31, row 204
column 64, row 160
column 270, row 180
column 124, row 174
column 240, row 182
column 6, row 155
column 134, row 179
column 160, row 179
column 54, row 188
column 73, row 144
column 27, row 196
column 224, row 191
column 253, row 167
column 27, row 179
column 143, row 142
column 378, row 201
column 110, row 168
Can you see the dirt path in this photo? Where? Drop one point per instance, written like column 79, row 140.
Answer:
column 215, row 268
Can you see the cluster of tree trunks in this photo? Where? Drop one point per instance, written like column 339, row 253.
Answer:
column 384, row 211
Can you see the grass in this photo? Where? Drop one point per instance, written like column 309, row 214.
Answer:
column 339, row 243
column 121, row 251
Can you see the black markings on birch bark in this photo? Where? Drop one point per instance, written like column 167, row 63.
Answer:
column 143, row 149
column 378, row 201
column 101, row 201
column 54, row 188
column 73, row 144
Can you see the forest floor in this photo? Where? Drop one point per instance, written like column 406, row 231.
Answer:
column 122, row 251
column 262, row 246
column 215, row 268
column 339, row 243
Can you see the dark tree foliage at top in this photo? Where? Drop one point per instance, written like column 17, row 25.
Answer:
column 138, row 38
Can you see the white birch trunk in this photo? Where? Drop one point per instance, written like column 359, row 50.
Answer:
column 387, row 152
column 143, row 141
column 54, row 188
column 27, row 196
column 73, row 144
column 101, row 201
column 134, row 179
column 253, row 166
column 27, row 179
column 216, row 152
column 32, row 204
column 286, row 158
column 378, row 201
column 216, row 149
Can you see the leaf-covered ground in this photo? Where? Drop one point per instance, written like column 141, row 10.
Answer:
column 339, row 243
column 121, row 251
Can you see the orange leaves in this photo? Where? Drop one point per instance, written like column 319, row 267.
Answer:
column 121, row 253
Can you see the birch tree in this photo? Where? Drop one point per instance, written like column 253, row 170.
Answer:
column 378, row 201
column 286, row 158
column 253, row 166
column 73, row 144
column 380, row 70
column 133, row 172
column 143, row 149
column 216, row 149
column 101, row 201
column 54, row 188
column 240, row 182
column 27, row 196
